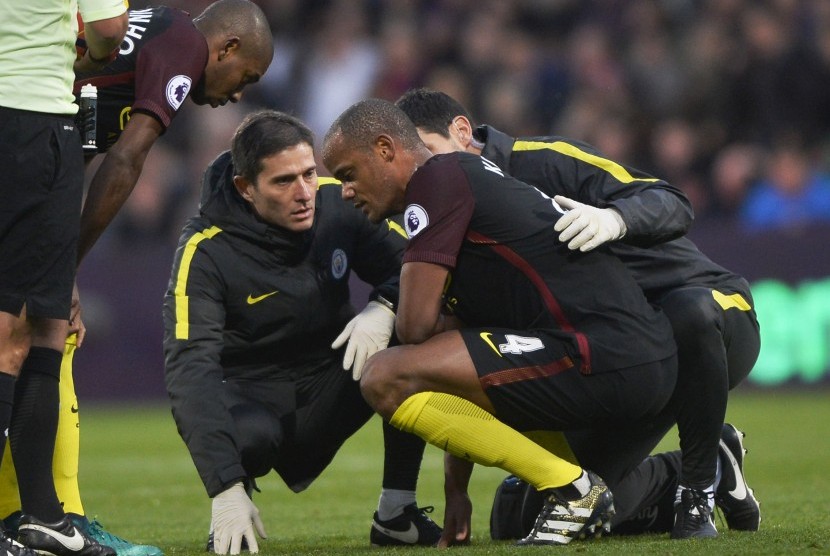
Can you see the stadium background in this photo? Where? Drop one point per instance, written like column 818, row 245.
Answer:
column 724, row 98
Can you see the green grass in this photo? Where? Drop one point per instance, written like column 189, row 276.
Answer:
column 137, row 478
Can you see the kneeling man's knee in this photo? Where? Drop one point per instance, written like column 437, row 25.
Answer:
column 380, row 384
column 260, row 434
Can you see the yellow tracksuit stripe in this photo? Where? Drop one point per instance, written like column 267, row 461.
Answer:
column 180, row 292
column 620, row 173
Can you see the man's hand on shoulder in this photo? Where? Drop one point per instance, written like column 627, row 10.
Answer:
column 234, row 518
column 585, row 227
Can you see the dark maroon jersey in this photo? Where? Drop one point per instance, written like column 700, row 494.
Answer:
column 162, row 58
column 509, row 269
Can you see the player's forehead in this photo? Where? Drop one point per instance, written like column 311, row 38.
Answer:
column 435, row 142
column 295, row 159
column 338, row 152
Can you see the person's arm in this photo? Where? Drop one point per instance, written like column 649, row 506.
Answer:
column 419, row 309
column 194, row 321
column 442, row 191
column 76, row 322
column 103, row 38
column 116, row 178
column 458, row 508
column 193, row 375
column 650, row 210
column 655, row 213
column 104, row 28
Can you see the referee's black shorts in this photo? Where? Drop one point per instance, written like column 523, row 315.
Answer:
column 296, row 426
column 41, row 186
column 534, row 382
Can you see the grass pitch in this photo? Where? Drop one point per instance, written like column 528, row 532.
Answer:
column 137, row 477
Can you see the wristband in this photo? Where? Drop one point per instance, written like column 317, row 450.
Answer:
column 383, row 301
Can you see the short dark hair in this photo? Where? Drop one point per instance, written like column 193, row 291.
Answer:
column 262, row 134
column 432, row 111
column 242, row 18
column 362, row 122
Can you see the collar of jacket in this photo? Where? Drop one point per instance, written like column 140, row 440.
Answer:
column 497, row 145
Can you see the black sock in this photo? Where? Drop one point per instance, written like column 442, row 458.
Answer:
column 34, row 425
column 7, row 382
column 403, row 453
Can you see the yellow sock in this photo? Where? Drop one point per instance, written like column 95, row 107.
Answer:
column 554, row 442
column 68, row 441
column 67, row 449
column 9, row 495
column 466, row 431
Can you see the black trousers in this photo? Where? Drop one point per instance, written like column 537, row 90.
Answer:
column 296, row 427
column 717, row 348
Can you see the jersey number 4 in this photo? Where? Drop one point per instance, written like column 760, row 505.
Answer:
column 520, row 344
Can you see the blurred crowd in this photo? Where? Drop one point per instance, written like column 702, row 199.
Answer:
column 727, row 99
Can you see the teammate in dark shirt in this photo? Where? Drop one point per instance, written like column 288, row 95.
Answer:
column 257, row 296
column 710, row 308
column 164, row 58
column 547, row 339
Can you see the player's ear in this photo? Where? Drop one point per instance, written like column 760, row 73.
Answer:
column 229, row 46
column 463, row 129
column 243, row 187
column 385, row 147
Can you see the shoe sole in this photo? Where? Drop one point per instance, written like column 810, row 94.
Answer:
column 601, row 527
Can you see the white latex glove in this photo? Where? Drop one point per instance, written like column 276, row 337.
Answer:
column 587, row 227
column 367, row 333
column 234, row 517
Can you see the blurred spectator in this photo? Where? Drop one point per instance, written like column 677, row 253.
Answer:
column 792, row 193
column 401, row 65
column 734, row 170
column 339, row 66
column 782, row 85
column 657, row 80
column 451, row 80
column 676, row 159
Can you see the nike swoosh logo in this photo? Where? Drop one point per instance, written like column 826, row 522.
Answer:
column 257, row 299
column 486, row 337
column 410, row 536
column 73, row 408
column 739, row 492
column 75, row 543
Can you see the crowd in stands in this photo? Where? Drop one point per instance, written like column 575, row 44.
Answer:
column 728, row 99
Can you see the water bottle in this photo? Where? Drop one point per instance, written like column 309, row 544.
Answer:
column 88, row 117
